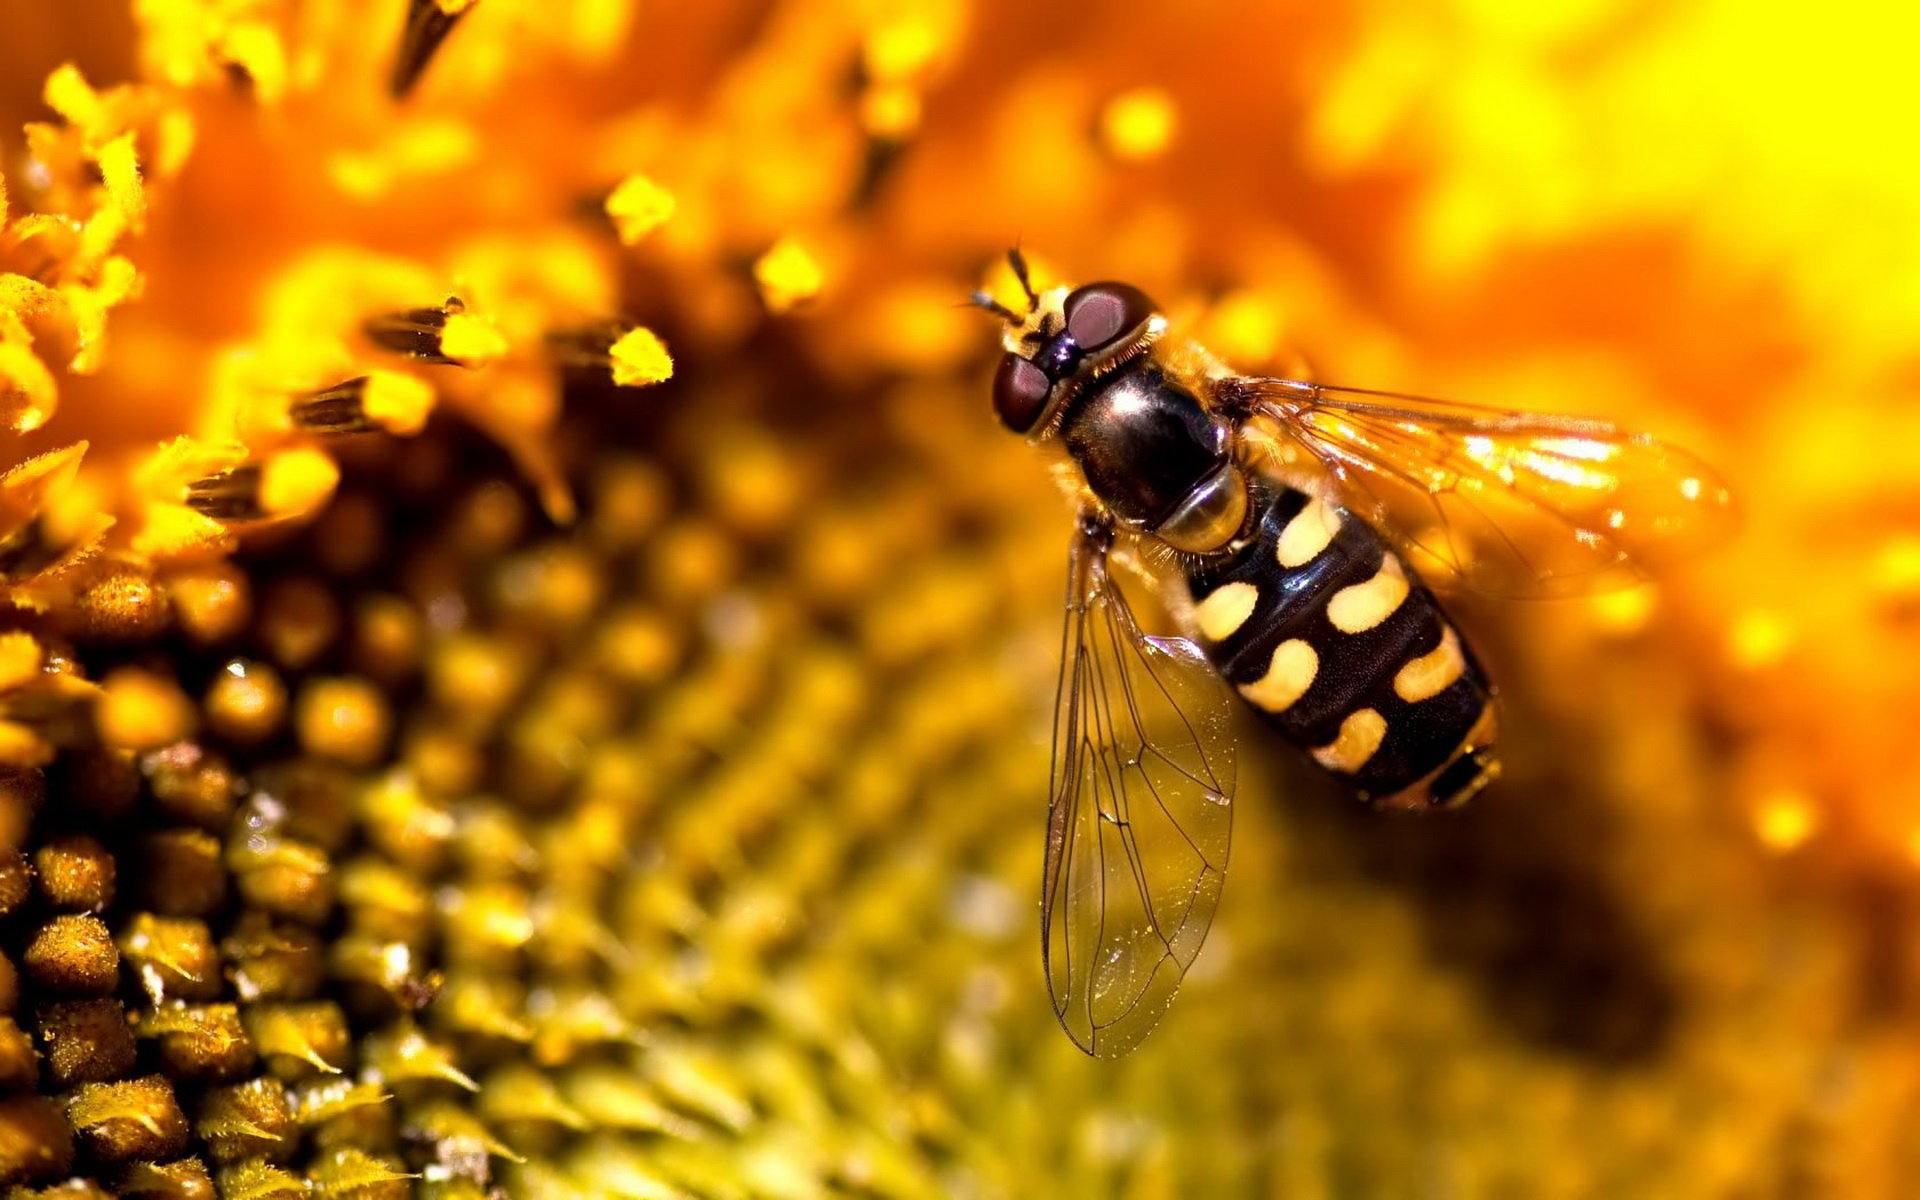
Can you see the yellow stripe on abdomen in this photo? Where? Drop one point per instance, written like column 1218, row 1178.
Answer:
column 1311, row 531
column 1225, row 610
column 1360, row 735
column 1359, row 607
column 1290, row 672
column 1432, row 673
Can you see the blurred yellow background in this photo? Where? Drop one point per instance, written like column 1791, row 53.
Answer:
column 703, row 831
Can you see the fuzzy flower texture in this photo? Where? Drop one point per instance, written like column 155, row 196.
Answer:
column 525, row 660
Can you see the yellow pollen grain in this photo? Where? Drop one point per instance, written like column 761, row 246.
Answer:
column 638, row 206
column 1225, row 610
column 1311, row 531
column 1138, row 124
column 297, row 481
column 1360, row 735
column 397, row 403
column 1432, row 673
column 1290, row 672
column 788, row 275
column 1361, row 606
column 1784, row 820
column 639, row 357
column 471, row 341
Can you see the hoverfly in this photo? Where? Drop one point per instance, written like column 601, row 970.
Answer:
column 1292, row 528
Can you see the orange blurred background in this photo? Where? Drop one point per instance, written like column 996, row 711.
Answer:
column 1674, row 952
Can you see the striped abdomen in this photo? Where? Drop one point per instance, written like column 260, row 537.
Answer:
column 1320, row 627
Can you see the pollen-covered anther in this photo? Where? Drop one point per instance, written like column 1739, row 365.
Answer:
column 428, row 24
column 634, row 357
column 638, row 206
column 291, row 483
column 788, row 275
column 640, row 357
column 379, row 401
column 449, row 334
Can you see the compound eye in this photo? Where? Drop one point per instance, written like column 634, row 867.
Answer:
column 1020, row 393
column 1099, row 314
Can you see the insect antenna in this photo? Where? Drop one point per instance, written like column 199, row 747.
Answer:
column 982, row 300
column 1018, row 262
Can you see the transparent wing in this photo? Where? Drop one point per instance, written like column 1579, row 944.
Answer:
column 1503, row 503
column 1140, row 816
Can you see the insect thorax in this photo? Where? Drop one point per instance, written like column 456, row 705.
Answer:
column 1144, row 442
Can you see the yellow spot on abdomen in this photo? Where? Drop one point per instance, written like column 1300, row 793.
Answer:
column 1225, row 610
column 1359, row 607
column 1360, row 735
column 1289, row 675
column 1431, row 673
column 1310, row 532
